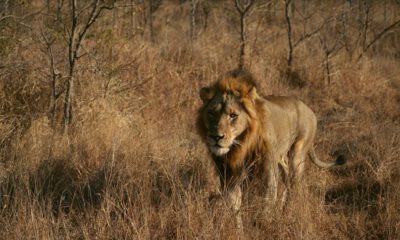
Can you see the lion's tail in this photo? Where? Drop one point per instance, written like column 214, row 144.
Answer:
column 340, row 160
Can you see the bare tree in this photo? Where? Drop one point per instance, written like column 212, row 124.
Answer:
column 292, row 43
column 54, row 75
column 378, row 37
column 79, row 28
column 329, row 51
column 242, row 6
column 291, row 76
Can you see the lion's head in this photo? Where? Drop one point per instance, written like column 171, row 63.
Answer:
column 228, row 111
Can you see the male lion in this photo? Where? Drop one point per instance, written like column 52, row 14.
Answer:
column 244, row 131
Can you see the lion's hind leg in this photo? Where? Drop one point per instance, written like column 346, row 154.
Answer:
column 284, row 170
column 298, row 155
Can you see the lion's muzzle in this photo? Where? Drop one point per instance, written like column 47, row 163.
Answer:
column 218, row 144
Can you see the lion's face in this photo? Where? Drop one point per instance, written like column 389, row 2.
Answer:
column 225, row 119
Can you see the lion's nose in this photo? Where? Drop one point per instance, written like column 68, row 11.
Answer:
column 217, row 137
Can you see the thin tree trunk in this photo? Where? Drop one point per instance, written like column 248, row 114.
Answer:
column 268, row 14
column 289, row 34
column 151, row 21
column 193, row 19
column 206, row 13
column 60, row 4
column 346, row 18
column 48, row 5
column 67, row 102
column 114, row 17
column 131, row 12
column 72, row 51
column 327, row 69
column 242, row 43
column 69, row 94
column 385, row 11
column 144, row 17
column 53, row 102
column 53, row 89
column 242, row 11
column 6, row 7
column 365, row 24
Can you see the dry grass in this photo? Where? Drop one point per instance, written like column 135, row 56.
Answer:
column 132, row 165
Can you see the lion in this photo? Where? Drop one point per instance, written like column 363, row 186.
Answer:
column 243, row 131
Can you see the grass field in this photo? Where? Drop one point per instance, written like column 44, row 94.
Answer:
column 131, row 164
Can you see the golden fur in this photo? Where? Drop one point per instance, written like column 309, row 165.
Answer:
column 243, row 130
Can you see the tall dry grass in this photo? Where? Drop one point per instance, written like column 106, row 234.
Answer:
column 132, row 165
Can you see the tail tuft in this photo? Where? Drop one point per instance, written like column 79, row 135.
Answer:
column 340, row 160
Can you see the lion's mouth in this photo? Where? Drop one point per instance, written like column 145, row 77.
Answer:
column 219, row 150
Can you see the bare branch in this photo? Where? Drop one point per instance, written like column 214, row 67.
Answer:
column 82, row 11
column 83, row 54
column 243, row 8
column 308, row 35
column 4, row 17
column 314, row 32
column 379, row 36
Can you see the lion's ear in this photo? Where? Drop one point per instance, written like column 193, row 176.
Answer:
column 253, row 93
column 206, row 93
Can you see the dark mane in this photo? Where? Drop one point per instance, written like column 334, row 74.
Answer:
column 243, row 74
column 238, row 81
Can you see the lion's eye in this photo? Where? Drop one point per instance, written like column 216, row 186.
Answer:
column 233, row 115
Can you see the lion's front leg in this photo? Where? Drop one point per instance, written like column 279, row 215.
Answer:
column 271, row 195
column 230, row 190
column 233, row 199
column 233, row 193
column 271, row 170
column 235, row 202
column 272, row 185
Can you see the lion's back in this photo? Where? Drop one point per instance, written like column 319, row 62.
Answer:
column 290, row 105
column 289, row 117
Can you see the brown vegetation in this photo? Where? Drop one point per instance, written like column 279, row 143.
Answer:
column 131, row 165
